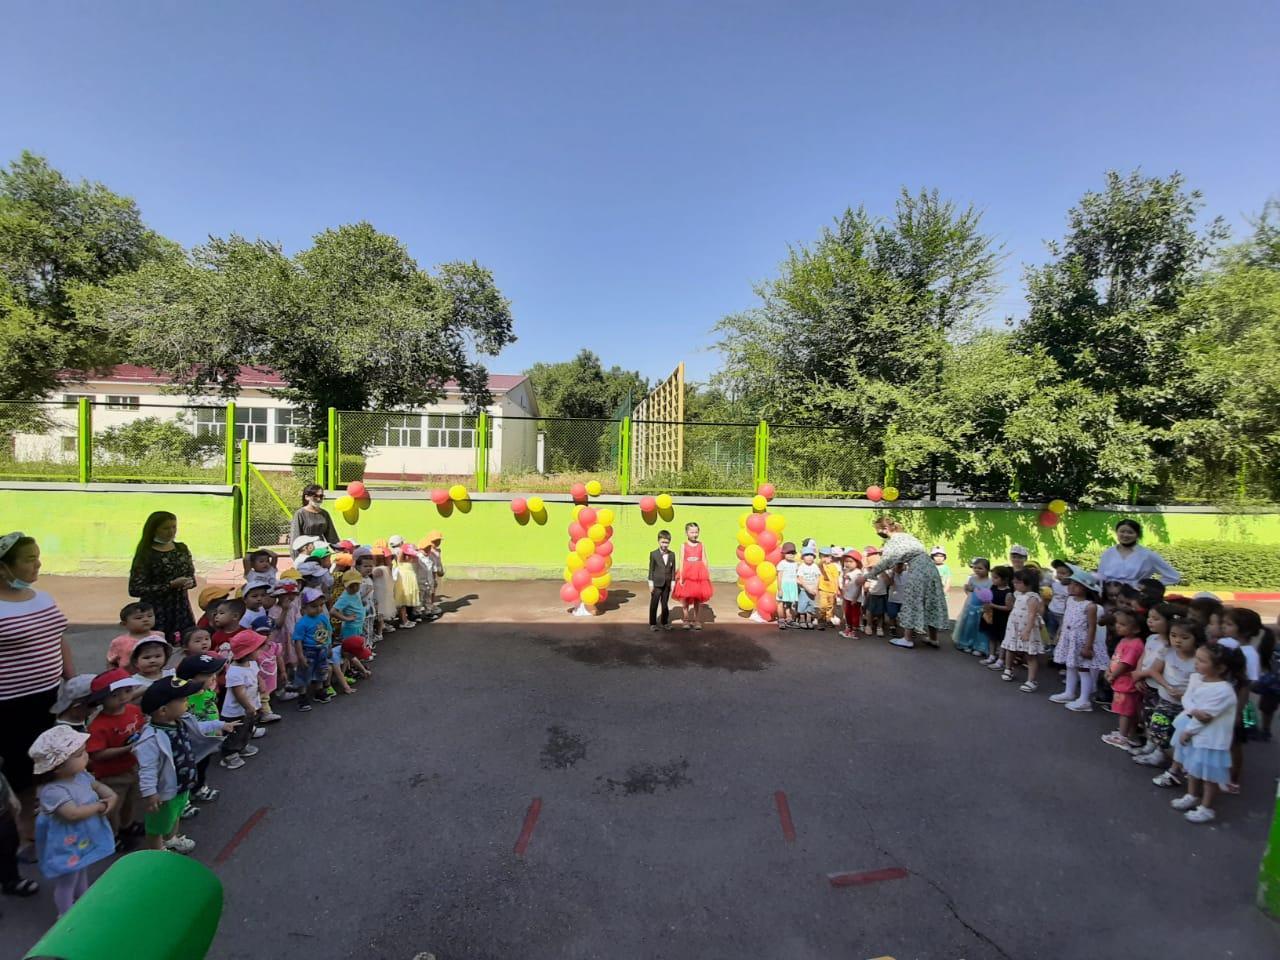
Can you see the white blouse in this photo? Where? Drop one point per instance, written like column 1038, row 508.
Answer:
column 1217, row 697
column 1140, row 564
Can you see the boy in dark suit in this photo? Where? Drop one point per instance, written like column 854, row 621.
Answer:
column 662, row 571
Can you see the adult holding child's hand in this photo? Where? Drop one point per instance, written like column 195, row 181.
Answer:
column 162, row 573
column 924, row 604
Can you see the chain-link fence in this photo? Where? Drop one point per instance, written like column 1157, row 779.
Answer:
column 404, row 449
column 268, row 500
column 158, row 442
column 692, row 458
column 807, row 461
column 39, row 441
column 551, row 454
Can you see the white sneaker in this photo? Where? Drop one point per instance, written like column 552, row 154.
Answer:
column 248, row 750
column 903, row 642
column 1081, row 706
column 180, row 844
column 258, row 734
column 1185, row 802
column 1155, row 758
column 1199, row 815
column 995, row 665
column 1062, row 697
column 231, row 762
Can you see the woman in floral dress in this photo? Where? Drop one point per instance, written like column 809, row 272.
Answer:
column 924, row 604
column 162, row 573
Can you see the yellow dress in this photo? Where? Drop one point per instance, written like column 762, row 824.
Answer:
column 406, row 589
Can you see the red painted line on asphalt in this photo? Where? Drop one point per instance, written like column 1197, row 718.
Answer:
column 1258, row 597
column 867, row 876
column 254, row 819
column 530, row 820
column 784, row 814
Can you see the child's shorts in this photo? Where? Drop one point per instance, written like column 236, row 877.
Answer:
column 875, row 604
column 315, row 665
column 892, row 609
column 164, row 819
column 1126, row 704
column 804, row 603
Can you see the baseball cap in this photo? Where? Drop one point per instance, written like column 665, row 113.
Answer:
column 980, row 560
column 395, row 541
column 309, row 568
column 837, row 553
column 105, row 684
column 283, row 588
column 938, row 549
column 311, row 595
column 212, row 594
column 165, row 691
column 1018, row 550
column 72, row 690
column 301, row 543
column 200, row 663
column 321, row 551
column 788, row 547
column 254, row 585
column 824, row 552
column 346, row 545
column 360, row 552
column 808, row 552
column 262, row 624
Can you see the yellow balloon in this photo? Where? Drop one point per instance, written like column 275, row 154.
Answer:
column 754, row 555
column 602, row 581
column 590, row 595
column 890, row 494
column 1046, row 593
column 568, row 574
column 746, row 601
column 596, row 532
column 745, row 538
column 742, row 520
column 535, row 504
column 345, row 504
column 608, row 562
column 585, row 548
column 1058, row 506
column 593, row 488
column 766, row 571
column 457, row 492
column 577, row 510
column 604, row 517
column 663, row 501
column 775, row 522
column 759, row 504
column 575, row 562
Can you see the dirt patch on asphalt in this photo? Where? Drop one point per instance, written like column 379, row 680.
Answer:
column 711, row 651
column 648, row 777
column 563, row 749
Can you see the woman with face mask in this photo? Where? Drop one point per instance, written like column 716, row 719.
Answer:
column 34, row 659
column 312, row 520
column 162, row 574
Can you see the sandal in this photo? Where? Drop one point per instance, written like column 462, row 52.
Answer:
column 1029, row 687
column 1007, row 676
column 20, row 888
column 1231, row 788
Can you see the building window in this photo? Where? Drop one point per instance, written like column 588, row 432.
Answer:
column 289, row 424
column 402, row 431
column 121, row 403
column 211, row 421
column 451, row 430
column 68, row 444
column 251, row 424
column 73, row 399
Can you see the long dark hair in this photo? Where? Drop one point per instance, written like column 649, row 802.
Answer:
column 1231, row 660
column 142, row 556
column 1250, row 625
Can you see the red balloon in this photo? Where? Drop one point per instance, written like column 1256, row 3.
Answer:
column 519, row 505
column 1049, row 519
column 754, row 586
column 745, row 570
column 742, row 553
column 774, row 556
column 357, row 489
column 577, row 531
column 569, row 593
column 608, row 532
column 767, row 605
column 766, row 490
column 581, row 578
column 875, row 494
column 648, row 504
column 579, row 492
column 595, row 564
column 604, row 595
column 604, row 549
column 768, row 540
column 586, row 516
column 439, row 497
column 755, row 523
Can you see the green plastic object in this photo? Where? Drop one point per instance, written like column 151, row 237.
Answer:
column 150, row 905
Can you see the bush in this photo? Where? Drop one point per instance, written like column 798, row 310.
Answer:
column 304, row 465
column 153, row 440
column 1245, row 565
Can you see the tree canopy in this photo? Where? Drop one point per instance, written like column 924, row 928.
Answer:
column 582, row 387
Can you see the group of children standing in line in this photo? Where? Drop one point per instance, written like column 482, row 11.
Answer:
column 128, row 756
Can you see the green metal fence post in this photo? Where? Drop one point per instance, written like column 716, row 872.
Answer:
column 760, row 468
column 84, row 439
column 335, row 451
column 624, row 456
column 321, row 466
column 244, row 486
column 229, row 437
column 482, row 452
column 1269, row 872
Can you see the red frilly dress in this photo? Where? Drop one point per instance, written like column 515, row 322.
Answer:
column 694, row 581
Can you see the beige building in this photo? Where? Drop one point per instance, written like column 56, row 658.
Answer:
column 436, row 439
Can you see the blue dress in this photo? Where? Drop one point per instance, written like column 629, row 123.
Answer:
column 67, row 847
column 968, row 635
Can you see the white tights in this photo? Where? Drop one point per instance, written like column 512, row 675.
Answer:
column 1086, row 681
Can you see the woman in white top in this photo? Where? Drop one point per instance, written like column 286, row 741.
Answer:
column 1130, row 562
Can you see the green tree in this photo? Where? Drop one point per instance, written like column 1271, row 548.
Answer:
column 582, row 387
column 57, row 236
column 153, row 440
column 351, row 322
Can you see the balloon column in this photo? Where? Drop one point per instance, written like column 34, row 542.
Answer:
column 350, row 504
column 586, row 569
column 759, row 551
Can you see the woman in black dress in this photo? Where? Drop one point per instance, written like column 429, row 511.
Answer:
column 162, row 573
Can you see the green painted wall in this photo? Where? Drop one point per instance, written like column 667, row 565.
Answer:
column 95, row 531
column 488, row 541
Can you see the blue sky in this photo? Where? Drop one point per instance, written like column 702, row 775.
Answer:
column 630, row 170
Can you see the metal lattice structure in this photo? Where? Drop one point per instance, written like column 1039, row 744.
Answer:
column 657, row 429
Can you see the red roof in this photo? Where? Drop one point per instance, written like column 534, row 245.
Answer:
column 248, row 377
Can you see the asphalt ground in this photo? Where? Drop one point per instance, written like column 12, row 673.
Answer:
column 981, row 822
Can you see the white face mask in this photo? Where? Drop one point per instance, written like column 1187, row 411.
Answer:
column 161, row 541
column 17, row 584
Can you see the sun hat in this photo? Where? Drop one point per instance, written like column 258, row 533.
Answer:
column 198, row 664
column 1205, row 595
column 937, row 550
column 164, row 691
column 262, row 624
column 55, row 747
column 347, row 545
column 872, row 551
column 311, row 595
column 980, row 560
column 320, row 552
column 360, row 553
column 1084, row 578
column 395, row 540
column 824, row 552
column 72, row 689
column 252, row 584
column 309, row 568
column 285, row 588
column 851, row 554
column 343, row 561
column 245, row 642
column 808, row 551
column 788, row 547
column 153, row 638
column 112, row 681
column 1018, row 550
column 301, row 543
column 255, row 579
column 837, row 553
column 212, row 594
column 290, row 574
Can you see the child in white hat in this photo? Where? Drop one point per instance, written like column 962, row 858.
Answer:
column 72, row 832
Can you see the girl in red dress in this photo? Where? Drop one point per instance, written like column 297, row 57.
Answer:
column 693, row 582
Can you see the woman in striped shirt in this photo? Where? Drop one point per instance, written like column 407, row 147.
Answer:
column 34, row 656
